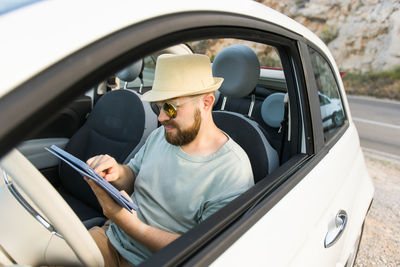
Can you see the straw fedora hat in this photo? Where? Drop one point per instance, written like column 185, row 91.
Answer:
column 182, row 75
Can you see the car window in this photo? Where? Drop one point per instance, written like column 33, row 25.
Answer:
column 271, row 74
column 267, row 55
column 148, row 74
column 323, row 100
column 144, row 82
column 332, row 113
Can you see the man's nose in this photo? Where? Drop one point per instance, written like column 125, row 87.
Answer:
column 163, row 116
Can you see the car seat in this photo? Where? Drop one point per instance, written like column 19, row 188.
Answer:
column 127, row 75
column 272, row 113
column 114, row 127
column 240, row 68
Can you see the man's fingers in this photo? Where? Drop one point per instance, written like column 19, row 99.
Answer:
column 111, row 176
column 109, row 206
column 104, row 168
column 92, row 184
column 103, row 165
column 90, row 161
column 97, row 161
column 126, row 195
column 97, row 190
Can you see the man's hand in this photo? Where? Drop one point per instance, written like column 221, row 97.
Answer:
column 107, row 167
column 152, row 237
column 109, row 206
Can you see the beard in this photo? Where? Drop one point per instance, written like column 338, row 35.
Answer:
column 183, row 137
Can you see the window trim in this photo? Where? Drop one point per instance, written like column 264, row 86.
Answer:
column 318, row 129
column 313, row 99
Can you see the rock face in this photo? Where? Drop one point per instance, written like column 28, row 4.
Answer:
column 363, row 35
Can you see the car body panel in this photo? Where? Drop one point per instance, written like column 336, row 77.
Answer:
column 67, row 27
column 291, row 234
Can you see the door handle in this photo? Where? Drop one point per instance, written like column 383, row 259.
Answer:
column 333, row 235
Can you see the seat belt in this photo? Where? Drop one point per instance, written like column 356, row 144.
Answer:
column 284, row 127
column 141, row 82
column 253, row 101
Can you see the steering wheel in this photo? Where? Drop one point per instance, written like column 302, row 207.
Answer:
column 53, row 207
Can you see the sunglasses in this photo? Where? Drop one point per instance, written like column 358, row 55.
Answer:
column 171, row 108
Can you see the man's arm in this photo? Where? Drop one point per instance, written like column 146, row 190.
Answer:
column 121, row 176
column 151, row 237
column 126, row 179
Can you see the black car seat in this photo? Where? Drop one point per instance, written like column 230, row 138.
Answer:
column 114, row 127
column 240, row 68
column 130, row 74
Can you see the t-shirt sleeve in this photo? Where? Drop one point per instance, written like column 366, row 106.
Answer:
column 214, row 205
column 136, row 162
column 228, row 191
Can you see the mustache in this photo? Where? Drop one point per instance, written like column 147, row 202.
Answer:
column 169, row 123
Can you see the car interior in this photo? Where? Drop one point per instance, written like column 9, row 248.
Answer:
column 251, row 110
column 252, row 106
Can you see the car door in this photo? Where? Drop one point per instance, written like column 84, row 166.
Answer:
column 317, row 222
column 343, row 169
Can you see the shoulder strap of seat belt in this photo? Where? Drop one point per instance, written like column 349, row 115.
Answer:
column 284, row 128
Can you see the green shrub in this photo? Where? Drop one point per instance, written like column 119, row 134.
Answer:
column 383, row 84
column 268, row 61
column 329, row 34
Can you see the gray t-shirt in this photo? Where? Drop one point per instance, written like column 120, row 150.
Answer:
column 175, row 191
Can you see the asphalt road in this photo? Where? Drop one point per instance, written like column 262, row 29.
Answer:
column 378, row 125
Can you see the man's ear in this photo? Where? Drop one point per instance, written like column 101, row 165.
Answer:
column 208, row 101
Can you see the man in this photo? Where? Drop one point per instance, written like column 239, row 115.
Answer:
column 187, row 169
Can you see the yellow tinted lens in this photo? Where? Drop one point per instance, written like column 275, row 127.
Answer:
column 169, row 110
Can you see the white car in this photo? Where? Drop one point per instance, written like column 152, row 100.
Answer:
column 331, row 111
column 60, row 58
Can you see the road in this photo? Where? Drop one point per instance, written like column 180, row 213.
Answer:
column 378, row 125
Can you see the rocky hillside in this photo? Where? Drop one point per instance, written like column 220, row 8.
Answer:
column 363, row 36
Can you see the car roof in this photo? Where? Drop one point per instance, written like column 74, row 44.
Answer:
column 36, row 36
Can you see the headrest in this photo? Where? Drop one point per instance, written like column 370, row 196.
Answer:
column 120, row 121
column 131, row 72
column 272, row 109
column 240, row 68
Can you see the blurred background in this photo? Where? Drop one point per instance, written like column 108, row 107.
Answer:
column 363, row 36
